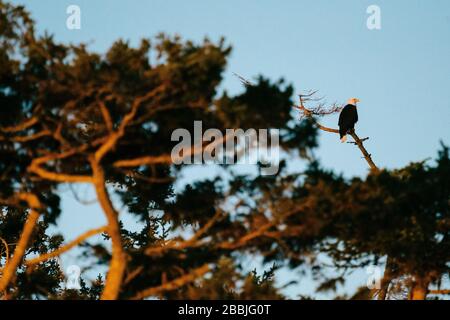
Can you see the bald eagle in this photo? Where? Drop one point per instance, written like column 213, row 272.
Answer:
column 348, row 118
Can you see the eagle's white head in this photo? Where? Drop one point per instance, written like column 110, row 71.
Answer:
column 353, row 101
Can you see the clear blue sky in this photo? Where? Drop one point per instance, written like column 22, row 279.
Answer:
column 400, row 73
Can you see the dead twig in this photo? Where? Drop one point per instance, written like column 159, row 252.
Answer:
column 362, row 140
column 244, row 81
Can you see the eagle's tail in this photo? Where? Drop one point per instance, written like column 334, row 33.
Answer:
column 344, row 138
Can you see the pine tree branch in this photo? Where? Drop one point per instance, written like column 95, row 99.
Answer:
column 439, row 292
column 36, row 165
column 20, row 127
column 64, row 248
column 111, row 141
column 22, row 139
column 166, row 158
column 192, row 242
column 10, row 268
column 5, row 244
column 173, row 284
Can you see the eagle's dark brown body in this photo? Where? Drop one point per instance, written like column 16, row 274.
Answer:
column 347, row 119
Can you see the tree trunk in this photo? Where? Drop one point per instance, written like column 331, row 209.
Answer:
column 419, row 290
column 387, row 278
column 118, row 260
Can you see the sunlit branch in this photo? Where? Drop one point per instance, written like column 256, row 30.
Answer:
column 10, row 268
column 166, row 158
column 192, row 242
column 173, row 284
column 65, row 248
column 20, row 127
column 119, row 259
column 116, row 135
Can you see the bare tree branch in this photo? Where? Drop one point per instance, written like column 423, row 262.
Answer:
column 244, row 81
column 366, row 155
